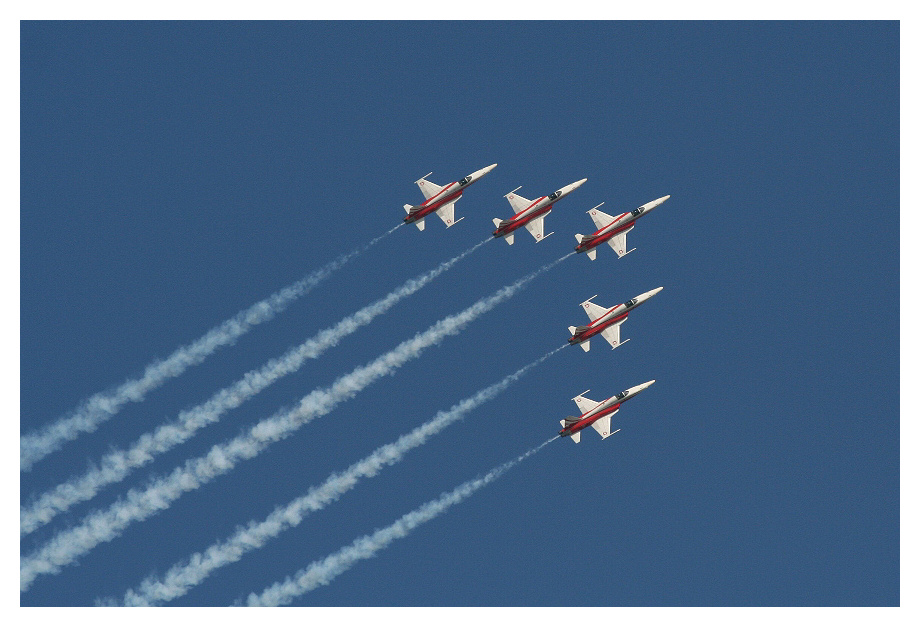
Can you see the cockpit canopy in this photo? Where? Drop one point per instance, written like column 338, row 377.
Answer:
column 636, row 212
column 630, row 302
column 622, row 394
column 466, row 180
column 556, row 194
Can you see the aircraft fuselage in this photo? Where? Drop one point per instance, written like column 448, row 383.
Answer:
column 449, row 194
column 616, row 315
column 620, row 224
column 589, row 418
column 540, row 207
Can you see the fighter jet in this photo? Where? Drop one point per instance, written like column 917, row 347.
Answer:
column 440, row 200
column 605, row 321
column 596, row 415
column 530, row 213
column 612, row 230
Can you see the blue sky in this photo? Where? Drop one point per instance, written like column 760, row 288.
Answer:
column 173, row 174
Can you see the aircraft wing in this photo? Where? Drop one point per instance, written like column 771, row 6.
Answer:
column 585, row 404
column 618, row 242
column 518, row 203
column 612, row 334
column 535, row 227
column 446, row 213
column 600, row 218
column 594, row 311
column 428, row 188
column 602, row 425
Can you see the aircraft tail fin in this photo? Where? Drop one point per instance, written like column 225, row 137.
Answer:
column 569, row 420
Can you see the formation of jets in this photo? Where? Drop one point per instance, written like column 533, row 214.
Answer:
column 530, row 214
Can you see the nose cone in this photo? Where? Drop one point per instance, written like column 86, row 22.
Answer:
column 635, row 390
column 644, row 297
column 478, row 174
column 651, row 205
column 568, row 189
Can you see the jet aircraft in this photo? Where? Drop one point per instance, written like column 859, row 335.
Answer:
column 606, row 322
column 597, row 414
column 440, row 200
column 530, row 213
column 612, row 229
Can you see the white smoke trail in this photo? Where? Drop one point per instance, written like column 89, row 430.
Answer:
column 104, row 405
column 322, row 572
column 118, row 464
column 179, row 579
column 103, row 526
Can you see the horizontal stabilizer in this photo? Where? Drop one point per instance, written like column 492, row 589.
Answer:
column 509, row 238
column 586, row 345
column 573, row 330
column 420, row 224
column 592, row 254
column 576, row 437
column 408, row 208
column 497, row 222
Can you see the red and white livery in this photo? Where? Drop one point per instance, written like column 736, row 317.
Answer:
column 612, row 229
column 440, row 200
column 530, row 213
column 596, row 414
column 606, row 322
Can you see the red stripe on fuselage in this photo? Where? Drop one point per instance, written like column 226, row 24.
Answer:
column 515, row 223
column 587, row 422
column 592, row 331
column 597, row 240
column 436, row 204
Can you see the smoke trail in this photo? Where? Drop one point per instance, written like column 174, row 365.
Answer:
column 117, row 465
column 322, row 572
column 191, row 572
column 103, row 526
column 102, row 406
